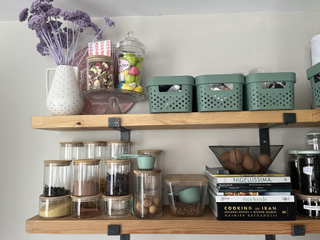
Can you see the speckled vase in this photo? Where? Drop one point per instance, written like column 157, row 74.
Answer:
column 63, row 98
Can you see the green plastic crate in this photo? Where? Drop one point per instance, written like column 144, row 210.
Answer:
column 165, row 102
column 219, row 100
column 258, row 98
column 312, row 74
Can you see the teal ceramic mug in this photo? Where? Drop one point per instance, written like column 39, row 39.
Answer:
column 189, row 195
column 145, row 162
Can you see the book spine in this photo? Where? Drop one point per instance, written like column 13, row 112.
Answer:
column 252, row 193
column 252, row 185
column 223, row 173
column 253, row 199
column 285, row 179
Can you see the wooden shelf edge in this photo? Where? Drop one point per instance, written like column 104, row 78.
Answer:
column 168, row 224
column 194, row 120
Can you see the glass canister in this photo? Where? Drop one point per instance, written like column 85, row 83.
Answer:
column 96, row 150
column 85, row 207
column 292, row 163
column 100, row 72
column 57, row 178
column 54, row 207
column 130, row 53
column 116, row 206
column 71, row 150
column 309, row 171
column 148, row 193
column 313, row 141
column 117, row 181
column 117, row 147
column 86, row 177
column 154, row 153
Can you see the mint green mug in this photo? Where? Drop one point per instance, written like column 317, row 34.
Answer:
column 145, row 162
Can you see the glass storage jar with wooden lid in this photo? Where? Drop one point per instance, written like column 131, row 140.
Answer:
column 54, row 207
column 148, row 193
column 100, row 72
column 117, row 147
column 57, row 178
column 117, row 177
column 86, row 177
column 116, row 206
column 85, row 207
column 71, row 150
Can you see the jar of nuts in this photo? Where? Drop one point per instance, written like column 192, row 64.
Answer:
column 148, row 193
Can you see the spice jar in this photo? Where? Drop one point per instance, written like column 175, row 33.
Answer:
column 86, row 177
column 96, row 150
column 292, row 163
column 130, row 53
column 148, row 193
column 71, row 150
column 313, row 141
column 85, row 207
column 57, row 178
column 117, row 181
column 117, row 147
column 309, row 171
column 54, row 207
column 116, row 206
column 100, row 72
column 154, row 153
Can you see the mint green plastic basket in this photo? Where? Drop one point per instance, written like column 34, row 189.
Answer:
column 258, row 98
column 219, row 100
column 165, row 102
column 313, row 76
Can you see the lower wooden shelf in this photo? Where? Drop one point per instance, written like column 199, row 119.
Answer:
column 168, row 224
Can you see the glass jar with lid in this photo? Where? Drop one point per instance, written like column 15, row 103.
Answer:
column 57, row 178
column 117, row 147
column 117, row 180
column 292, row 163
column 309, row 171
column 116, row 206
column 85, row 207
column 130, row 54
column 313, row 141
column 54, row 207
column 148, row 193
column 71, row 150
column 100, row 72
column 154, row 153
column 86, row 177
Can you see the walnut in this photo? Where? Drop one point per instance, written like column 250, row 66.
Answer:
column 145, row 211
column 147, row 202
column 156, row 201
column 153, row 209
column 138, row 206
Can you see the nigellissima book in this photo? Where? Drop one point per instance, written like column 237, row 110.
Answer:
column 222, row 172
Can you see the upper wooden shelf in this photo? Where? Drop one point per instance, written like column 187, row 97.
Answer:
column 194, row 120
column 168, row 224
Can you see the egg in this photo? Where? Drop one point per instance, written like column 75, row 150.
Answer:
column 224, row 157
column 265, row 160
column 235, row 156
column 233, row 168
column 248, row 161
column 257, row 167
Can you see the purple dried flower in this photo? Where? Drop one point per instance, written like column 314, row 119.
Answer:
column 53, row 12
column 109, row 22
column 42, row 49
column 37, row 21
column 23, row 15
column 83, row 16
column 68, row 15
column 53, row 25
column 40, row 6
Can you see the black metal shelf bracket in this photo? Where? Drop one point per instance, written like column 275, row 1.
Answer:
column 270, row 237
column 116, row 124
column 298, row 230
column 114, row 230
column 288, row 118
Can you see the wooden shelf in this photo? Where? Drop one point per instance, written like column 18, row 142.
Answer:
column 168, row 224
column 195, row 120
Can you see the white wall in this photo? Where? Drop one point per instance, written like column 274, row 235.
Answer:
column 176, row 45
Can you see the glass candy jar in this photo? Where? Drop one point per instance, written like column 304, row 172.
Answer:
column 100, row 72
column 130, row 53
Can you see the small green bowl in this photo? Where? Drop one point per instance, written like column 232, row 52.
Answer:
column 146, row 162
column 189, row 195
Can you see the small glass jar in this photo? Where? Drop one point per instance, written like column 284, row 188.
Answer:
column 100, row 72
column 116, row 206
column 308, row 205
column 117, row 181
column 148, row 193
column 85, row 207
column 57, row 178
column 154, row 153
column 71, row 150
column 86, row 177
column 117, row 147
column 313, row 141
column 292, row 163
column 54, row 207
column 309, row 171
column 96, row 150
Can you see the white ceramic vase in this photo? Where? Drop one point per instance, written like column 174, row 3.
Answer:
column 63, row 98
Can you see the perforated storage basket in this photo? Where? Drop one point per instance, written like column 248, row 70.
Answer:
column 257, row 98
column 314, row 77
column 164, row 102
column 219, row 100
